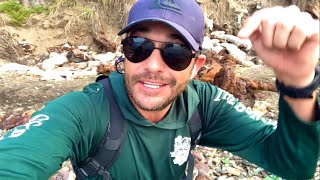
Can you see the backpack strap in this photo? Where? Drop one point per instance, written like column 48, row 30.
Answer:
column 108, row 151
column 195, row 127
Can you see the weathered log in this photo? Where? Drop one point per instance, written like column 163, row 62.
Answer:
column 104, row 43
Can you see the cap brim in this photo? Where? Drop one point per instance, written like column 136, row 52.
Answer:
column 185, row 34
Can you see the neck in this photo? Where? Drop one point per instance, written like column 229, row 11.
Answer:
column 154, row 116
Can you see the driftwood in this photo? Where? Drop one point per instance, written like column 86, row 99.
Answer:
column 104, row 43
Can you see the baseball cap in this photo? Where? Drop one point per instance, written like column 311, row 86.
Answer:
column 185, row 16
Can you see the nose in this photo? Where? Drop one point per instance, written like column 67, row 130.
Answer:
column 155, row 63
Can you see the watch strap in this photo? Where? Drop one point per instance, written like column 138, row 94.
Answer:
column 305, row 92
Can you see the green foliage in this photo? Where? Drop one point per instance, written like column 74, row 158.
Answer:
column 86, row 13
column 18, row 13
column 226, row 161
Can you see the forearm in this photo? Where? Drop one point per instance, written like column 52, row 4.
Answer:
column 305, row 109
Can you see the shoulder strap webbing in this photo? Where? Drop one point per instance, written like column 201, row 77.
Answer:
column 108, row 150
column 195, row 127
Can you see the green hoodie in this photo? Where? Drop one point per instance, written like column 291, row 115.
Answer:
column 72, row 126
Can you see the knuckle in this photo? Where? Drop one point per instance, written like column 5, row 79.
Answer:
column 284, row 26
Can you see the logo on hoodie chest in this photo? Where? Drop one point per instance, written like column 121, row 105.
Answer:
column 181, row 150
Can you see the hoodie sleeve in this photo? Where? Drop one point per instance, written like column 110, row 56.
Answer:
column 67, row 127
column 289, row 149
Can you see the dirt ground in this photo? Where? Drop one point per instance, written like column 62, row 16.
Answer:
column 20, row 93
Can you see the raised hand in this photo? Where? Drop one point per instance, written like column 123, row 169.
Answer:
column 287, row 40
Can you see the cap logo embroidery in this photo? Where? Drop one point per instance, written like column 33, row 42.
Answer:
column 170, row 5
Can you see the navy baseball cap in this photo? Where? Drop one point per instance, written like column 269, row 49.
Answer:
column 185, row 16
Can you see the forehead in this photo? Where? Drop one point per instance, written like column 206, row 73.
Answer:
column 156, row 27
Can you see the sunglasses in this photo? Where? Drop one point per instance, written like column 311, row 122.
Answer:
column 136, row 49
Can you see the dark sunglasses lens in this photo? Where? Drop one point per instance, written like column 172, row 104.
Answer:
column 177, row 57
column 137, row 49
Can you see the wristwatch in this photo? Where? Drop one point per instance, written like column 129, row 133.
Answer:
column 306, row 92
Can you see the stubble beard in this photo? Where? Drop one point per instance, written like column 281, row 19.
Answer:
column 160, row 104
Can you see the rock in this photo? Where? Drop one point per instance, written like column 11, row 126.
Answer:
column 47, row 65
column 217, row 34
column 92, row 64
column 222, row 177
column 217, row 48
column 232, row 178
column 76, row 55
column 67, row 47
column 233, row 171
column 83, row 48
column 207, row 44
column 213, row 70
column 81, row 65
column 264, row 86
column 227, row 80
column 245, row 43
column 261, row 107
column 12, row 120
column 235, row 52
column 57, row 59
column 236, row 157
column 105, row 69
column 105, row 58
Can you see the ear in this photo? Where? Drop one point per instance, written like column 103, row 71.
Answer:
column 198, row 64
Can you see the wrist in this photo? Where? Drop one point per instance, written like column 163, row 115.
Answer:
column 301, row 90
column 298, row 82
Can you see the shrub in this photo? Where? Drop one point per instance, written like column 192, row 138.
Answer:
column 18, row 13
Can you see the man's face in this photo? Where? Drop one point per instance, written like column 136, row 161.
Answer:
column 151, row 84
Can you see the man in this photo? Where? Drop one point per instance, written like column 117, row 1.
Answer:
column 157, row 98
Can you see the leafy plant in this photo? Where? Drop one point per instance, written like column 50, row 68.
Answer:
column 226, row 161
column 18, row 13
